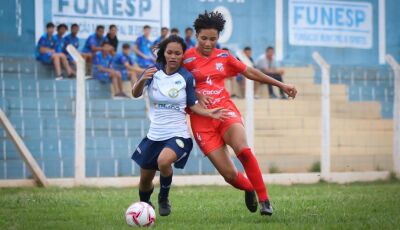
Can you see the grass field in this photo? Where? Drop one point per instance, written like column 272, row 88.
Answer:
column 320, row 206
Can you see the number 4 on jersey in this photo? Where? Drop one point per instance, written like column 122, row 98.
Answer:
column 209, row 81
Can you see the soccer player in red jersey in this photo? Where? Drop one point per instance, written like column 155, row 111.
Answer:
column 210, row 67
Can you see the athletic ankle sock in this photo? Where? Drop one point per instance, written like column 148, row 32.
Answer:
column 165, row 185
column 242, row 183
column 145, row 195
column 253, row 172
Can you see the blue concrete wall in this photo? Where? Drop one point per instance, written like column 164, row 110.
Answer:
column 11, row 42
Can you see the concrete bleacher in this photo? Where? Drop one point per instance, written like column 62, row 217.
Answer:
column 288, row 134
column 365, row 84
column 42, row 110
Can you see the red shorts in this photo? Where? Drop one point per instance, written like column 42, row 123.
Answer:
column 209, row 132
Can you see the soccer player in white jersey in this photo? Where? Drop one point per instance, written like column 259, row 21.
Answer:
column 171, row 89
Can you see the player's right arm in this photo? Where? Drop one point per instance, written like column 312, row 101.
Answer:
column 92, row 44
column 42, row 46
column 138, row 87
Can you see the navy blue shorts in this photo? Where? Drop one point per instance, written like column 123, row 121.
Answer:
column 147, row 152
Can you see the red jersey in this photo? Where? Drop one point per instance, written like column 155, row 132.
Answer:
column 210, row 73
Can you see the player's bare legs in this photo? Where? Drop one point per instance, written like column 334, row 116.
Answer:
column 235, row 137
column 166, row 158
column 66, row 65
column 146, row 186
column 88, row 61
column 116, row 82
column 57, row 65
column 224, row 164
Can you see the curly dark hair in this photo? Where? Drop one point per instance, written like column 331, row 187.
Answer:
column 209, row 20
column 163, row 46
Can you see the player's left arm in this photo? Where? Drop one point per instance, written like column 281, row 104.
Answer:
column 256, row 75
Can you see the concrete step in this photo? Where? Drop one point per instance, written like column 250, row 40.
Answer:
column 339, row 163
column 267, row 108
column 305, row 123
column 314, row 141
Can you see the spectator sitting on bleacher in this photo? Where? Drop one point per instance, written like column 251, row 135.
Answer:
column 72, row 39
column 124, row 64
column 142, row 48
column 59, row 37
column 112, row 38
column 188, row 38
column 242, row 80
column 93, row 44
column 175, row 31
column 163, row 36
column 46, row 52
column 102, row 70
column 266, row 64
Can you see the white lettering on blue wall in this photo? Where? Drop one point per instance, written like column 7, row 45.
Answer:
column 129, row 15
column 330, row 23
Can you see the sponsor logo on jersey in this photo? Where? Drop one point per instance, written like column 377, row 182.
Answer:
column 139, row 150
column 188, row 60
column 219, row 67
column 223, row 55
column 178, row 82
column 173, row 93
column 211, row 92
column 180, row 143
column 167, row 106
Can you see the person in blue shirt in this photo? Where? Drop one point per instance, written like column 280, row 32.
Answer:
column 72, row 39
column 163, row 36
column 94, row 42
column 175, row 31
column 46, row 53
column 102, row 70
column 92, row 45
column 123, row 63
column 142, row 49
column 59, row 37
column 188, row 38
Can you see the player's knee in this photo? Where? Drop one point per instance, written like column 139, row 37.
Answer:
column 163, row 164
column 145, row 182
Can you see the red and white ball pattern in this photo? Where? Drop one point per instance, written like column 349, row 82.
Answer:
column 140, row 214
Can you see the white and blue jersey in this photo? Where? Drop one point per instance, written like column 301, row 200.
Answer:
column 92, row 40
column 169, row 95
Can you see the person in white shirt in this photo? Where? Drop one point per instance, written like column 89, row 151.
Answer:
column 266, row 64
column 170, row 88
